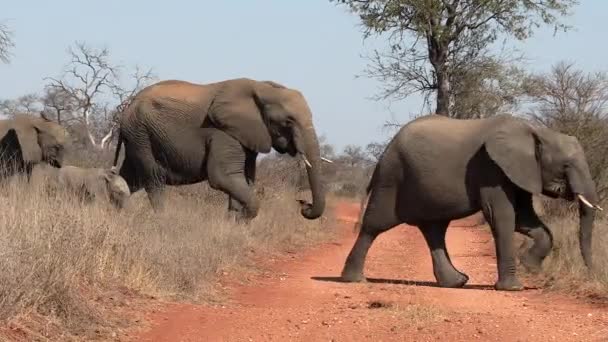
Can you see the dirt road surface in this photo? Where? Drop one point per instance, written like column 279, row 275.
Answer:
column 300, row 299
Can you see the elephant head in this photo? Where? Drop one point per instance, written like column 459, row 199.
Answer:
column 39, row 140
column 262, row 115
column 118, row 190
column 541, row 160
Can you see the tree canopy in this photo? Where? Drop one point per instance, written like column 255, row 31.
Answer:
column 436, row 43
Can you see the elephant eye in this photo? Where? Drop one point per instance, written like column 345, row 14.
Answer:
column 565, row 168
column 289, row 122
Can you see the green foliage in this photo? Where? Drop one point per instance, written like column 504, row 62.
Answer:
column 431, row 42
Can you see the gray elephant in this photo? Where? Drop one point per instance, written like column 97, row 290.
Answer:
column 26, row 141
column 177, row 133
column 90, row 184
column 437, row 169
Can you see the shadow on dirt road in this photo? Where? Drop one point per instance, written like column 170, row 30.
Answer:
column 292, row 302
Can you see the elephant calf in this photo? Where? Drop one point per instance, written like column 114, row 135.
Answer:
column 90, row 183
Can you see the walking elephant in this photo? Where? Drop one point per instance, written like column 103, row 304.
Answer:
column 27, row 140
column 437, row 169
column 177, row 133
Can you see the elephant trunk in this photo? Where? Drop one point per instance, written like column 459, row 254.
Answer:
column 312, row 154
column 583, row 189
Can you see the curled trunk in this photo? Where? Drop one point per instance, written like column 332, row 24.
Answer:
column 313, row 154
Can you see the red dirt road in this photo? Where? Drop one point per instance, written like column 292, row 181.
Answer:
column 299, row 300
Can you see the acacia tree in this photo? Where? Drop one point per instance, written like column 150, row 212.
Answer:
column 430, row 39
column 6, row 43
column 90, row 92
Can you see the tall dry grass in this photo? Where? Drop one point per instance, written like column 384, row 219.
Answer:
column 564, row 268
column 54, row 250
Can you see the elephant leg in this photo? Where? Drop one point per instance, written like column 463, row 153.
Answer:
column 226, row 172
column 29, row 169
column 155, row 187
column 529, row 224
column 127, row 172
column 240, row 192
column 379, row 217
column 443, row 269
column 498, row 210
column 250, row 169
column 234, row 205
column 156, row 195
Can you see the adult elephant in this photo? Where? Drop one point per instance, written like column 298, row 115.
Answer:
column 437, row 169
column 28, row 140
column 177, row 132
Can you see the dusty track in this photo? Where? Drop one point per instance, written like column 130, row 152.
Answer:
column 299, row 299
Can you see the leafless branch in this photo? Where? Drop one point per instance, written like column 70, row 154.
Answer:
column 86, row 90
column 6, row 43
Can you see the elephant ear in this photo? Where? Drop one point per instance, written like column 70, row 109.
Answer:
column 514, row 147
column 29, row 142
column 10, row 147
column 236, row 110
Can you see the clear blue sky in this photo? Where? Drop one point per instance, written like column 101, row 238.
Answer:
column 310, row 45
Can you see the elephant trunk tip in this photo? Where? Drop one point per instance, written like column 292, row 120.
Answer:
column 311, row 212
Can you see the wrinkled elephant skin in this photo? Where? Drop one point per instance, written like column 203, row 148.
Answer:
column 437, row 169
column 177, row 132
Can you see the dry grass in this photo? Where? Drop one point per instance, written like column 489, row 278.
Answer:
column 564, row 268
column 55, row 252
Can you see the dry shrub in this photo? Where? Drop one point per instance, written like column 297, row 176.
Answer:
column 564, row 267
column 52, row 247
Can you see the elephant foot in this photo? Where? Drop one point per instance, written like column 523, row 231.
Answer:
column 239, row 217
column 531, row 263
column 510, row 284
column 352, row 277
column 454, row 281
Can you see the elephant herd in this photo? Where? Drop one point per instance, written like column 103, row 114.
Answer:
column 434, row 170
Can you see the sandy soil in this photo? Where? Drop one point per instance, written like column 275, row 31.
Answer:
column 298, row 298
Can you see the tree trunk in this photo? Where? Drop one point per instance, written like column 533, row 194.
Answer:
column 443, row 90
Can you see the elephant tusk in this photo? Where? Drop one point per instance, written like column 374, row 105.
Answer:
column 587, row 203
column 306, row 161
column 584, row 200
column 326, row 160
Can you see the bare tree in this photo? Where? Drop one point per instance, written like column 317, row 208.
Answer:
column 375, row 149
column 124, row 94
column 88, row 86
column 59, row 104
column 428, row 39
column 6, row 43
column 566, row 95
column 353, row 156
column 26, row 104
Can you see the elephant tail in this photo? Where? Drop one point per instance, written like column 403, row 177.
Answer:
column 117, row 153
column 365, row 200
